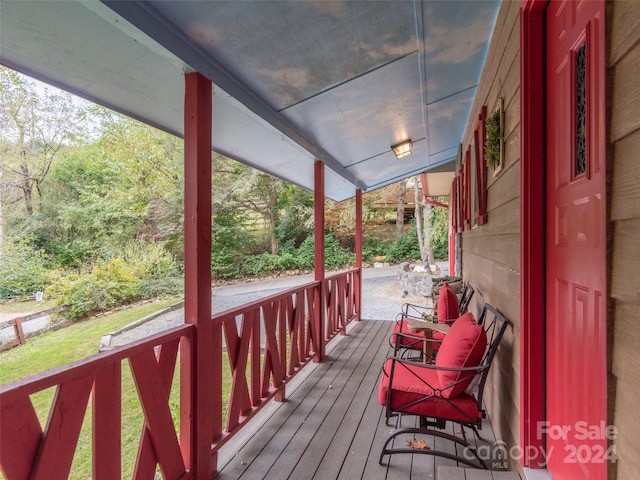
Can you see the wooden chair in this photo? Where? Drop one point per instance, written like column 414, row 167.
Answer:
column 451, row 390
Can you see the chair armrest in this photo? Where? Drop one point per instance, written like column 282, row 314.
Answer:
column 412, row 342
column 417, row 339
column 397, row 362
column 430, row 366
column 418, row 311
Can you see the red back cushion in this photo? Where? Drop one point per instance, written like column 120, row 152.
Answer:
column 463, row 346
column 447, row 304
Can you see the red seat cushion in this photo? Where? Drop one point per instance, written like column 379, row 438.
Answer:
column 448, row 308
column 413, row 340
column 447, row 312
column 416, row 390
column 463, row 346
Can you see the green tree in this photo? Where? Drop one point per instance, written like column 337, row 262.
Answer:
column 147, row 165
column 295, row 223
column 34, row 126
column 260, row 196
column 125, row 186
column 440, row 230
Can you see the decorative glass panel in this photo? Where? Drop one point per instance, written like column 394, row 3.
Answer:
column 581, row 112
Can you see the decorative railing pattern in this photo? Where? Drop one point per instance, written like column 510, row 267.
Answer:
column 28, row 451
column 266, row 343
column 340, row 301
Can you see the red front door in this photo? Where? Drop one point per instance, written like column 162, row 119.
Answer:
column 576, row 388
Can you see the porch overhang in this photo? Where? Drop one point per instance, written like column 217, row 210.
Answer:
column 294, row 81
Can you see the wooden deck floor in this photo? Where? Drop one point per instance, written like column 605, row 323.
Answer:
column 331, row 426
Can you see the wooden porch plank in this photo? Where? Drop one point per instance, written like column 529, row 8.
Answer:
column 472, row 474
column 300, row 403
column 371, row 436
column 313, row 430
column 327, row 433
column 421, row 466
column 258, row 456
column 346, row 416
column 451, row 473
column 366, row 442
column 505, row 476
column 444, row 445
column 424, row 466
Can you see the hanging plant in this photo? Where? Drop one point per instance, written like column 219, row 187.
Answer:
column 494, row 139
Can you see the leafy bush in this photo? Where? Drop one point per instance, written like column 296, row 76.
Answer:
column 306, row 253
column 83, row 293
column 335, row 256
column 230, row 263
column 287, row 261
column 230, row 247
column 404, row 248
column 267, row 263
column 22, row 269
column 150, row 260
column 162, row 287
column 143, row 270
column 296, row 222
column 372, row 247
column 227, row 263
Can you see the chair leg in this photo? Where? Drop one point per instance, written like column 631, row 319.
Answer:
column 470, row 458
column 476, row 431
column 473, row 427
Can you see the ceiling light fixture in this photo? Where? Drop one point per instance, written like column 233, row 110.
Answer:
column 402, row 149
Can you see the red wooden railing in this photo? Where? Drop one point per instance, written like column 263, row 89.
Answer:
column 270, row 340
column 28, row 451
column 267, row 342
column 340, row 300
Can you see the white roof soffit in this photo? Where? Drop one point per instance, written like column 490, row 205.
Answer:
column 294, row 81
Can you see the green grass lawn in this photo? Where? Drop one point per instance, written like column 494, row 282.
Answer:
column 30, row 306
column 73, row 343
column 69, row 344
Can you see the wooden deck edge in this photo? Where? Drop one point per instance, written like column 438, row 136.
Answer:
column 228, row 452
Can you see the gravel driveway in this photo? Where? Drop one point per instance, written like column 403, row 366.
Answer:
column 381, row 300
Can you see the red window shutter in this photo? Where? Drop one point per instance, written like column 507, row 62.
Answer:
column 467, row 189
column 481, row 168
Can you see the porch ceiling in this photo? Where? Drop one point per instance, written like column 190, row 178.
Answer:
column 294, row 81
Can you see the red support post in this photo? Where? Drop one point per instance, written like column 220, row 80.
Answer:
column 532, row 243
column 358, row 275
column 318, row 233
column 201, row 361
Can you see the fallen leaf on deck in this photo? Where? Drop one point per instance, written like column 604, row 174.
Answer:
column 417, row 444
